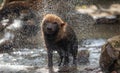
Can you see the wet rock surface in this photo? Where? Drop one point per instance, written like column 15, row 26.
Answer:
column 110, row 56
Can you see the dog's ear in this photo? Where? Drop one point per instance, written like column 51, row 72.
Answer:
column 63, row 24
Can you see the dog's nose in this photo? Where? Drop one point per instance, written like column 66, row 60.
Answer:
column 48, row 28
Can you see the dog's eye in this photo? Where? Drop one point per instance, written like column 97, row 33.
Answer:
column 55, row 23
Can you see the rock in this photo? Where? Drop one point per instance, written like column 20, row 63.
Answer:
column 21, row 23
column 110, row 56
column 113, row 72
column 107, row 20
column 6, row 46
column 83, row 56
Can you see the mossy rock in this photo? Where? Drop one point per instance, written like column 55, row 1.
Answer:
column 115, row 42
column 110, row 56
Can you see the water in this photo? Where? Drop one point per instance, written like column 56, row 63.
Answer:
column 26, row 60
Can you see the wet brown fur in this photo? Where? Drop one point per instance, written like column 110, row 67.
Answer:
column 53, row 18
column 65, row 40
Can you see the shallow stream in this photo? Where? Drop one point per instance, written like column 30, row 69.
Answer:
column 35, row 60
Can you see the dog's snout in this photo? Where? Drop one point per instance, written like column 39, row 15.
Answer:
column 49, row 28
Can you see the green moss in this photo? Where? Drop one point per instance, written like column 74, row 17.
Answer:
column 116, row 44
